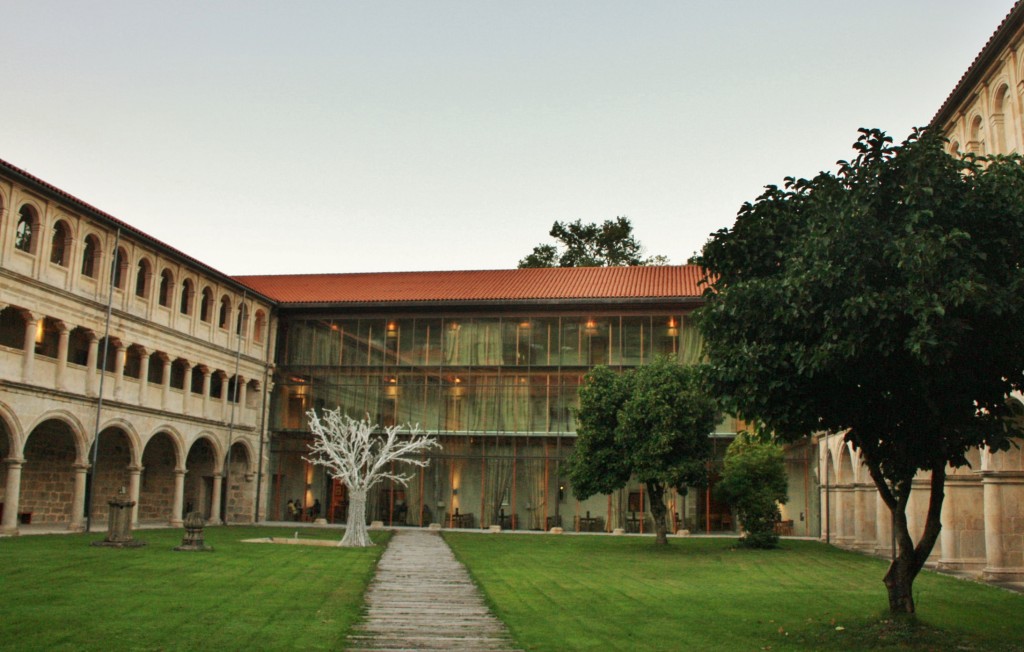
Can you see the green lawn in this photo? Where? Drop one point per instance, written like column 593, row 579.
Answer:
column 621, row 593
column 58, row 593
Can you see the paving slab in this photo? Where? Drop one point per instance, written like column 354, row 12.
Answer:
column 422, row 598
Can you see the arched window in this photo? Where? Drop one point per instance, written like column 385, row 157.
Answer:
column 166, row 288
column 60, row 244
column 225, row 312
column 1003, row 121
column 259, row 325
column 206, row 305
column 976, row 145
column 243, row 318
column 24, row 236
column 187, row 290
column 142, row 274
column 90, row 254
column 120, row 267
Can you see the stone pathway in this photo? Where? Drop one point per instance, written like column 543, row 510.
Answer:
column 423, row 599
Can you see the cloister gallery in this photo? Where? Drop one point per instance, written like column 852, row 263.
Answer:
column 195, row 383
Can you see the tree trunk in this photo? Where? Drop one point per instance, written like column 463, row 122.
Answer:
column 656, row 495
column 356, row 534
column 910, row 559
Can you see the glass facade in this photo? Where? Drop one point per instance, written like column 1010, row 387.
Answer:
column 499, row 391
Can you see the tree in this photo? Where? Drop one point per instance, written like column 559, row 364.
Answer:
column 610, row 244
column 884, row 301
column 754, row 483
column 651, row 423
column 352, row 452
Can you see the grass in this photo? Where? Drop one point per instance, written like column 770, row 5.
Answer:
column 622, row 593
column 59, row 593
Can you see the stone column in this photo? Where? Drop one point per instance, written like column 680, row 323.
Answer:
column 218, row 478
column 864, row 524
column 179, row 497
column 224, row 399
column 240, row 392
column 64, row 335
column 91, row 363
column 120, row 353
column 77, row 523
column 963, row 535
column 165, row 382
column 12, row 497
column 134, row 474
column 29, row 348
column 206, row 390
column 883, row 528
column 186, row 387
column 143, row 374
column 1004, row 509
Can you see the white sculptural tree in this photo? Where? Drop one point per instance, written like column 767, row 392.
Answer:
column 354, row 453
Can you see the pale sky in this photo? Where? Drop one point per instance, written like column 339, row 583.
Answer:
column 291, row 137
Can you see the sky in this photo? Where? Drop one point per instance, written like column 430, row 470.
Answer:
column 300, row 137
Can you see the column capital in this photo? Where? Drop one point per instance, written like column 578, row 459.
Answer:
column 30, row 316
column 134, row 469
column 180, row 472
column 14, row 462
column 60, row 326
column 81, row 467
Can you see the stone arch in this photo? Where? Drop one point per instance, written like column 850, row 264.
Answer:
column 61, row 238
column 176, row 438
column 165, row 293
column 161, row 459
column 134, row 439
column 143, row 277
column 114, row 460
column 954, row 147
column 206, row 304
column 76, row 427
column 10, row 427
column 1003, row 118
column 92, row 255
column 845, row 472
column 12, row 327
column 202, row 463
column 27, row 230
column 259, row 327
column 53, row 457
column 224, row 316
column 121, row 268
column 252, row 394
column 187, row 299
column 976, row 135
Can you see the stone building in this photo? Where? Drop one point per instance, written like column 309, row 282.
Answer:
column 104, row 329
column 983, row 512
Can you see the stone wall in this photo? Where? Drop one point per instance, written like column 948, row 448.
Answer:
column 47, row 478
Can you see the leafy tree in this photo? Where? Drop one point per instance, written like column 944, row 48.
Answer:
column 610, row 244
column 651, row 423
column 754, row 483
column 886, row 302
column 354, row 453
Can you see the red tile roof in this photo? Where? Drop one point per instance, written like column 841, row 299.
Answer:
column 572, row 284
column 993, row 49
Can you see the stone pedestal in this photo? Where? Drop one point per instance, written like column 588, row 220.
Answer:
column 193, row 540
column 119, row 524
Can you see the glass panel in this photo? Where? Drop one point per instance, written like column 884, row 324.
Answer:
column 544, row 341
column 571, row 345
column 636, row 340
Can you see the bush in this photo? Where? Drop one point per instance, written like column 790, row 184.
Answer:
column 754, row 483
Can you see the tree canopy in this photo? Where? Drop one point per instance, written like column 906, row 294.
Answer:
column 609, row 244
column 651, row 423
column 884, row 301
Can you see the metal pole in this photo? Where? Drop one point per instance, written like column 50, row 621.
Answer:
column 828, row 498
column 263, row 427
column 226, row 487
column 102, row 369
